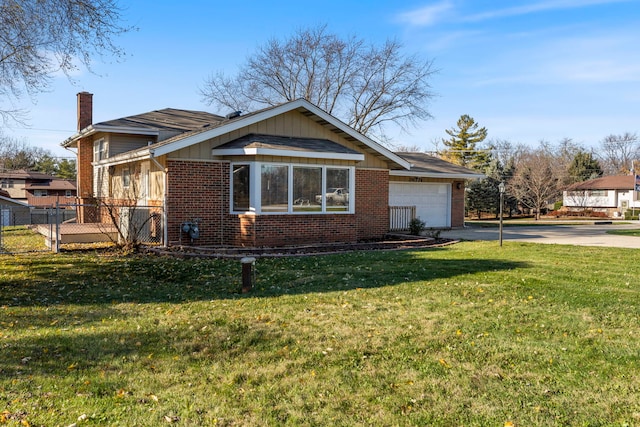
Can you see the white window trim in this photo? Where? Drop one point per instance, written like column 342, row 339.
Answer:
column 255, row 186
column 100, row 153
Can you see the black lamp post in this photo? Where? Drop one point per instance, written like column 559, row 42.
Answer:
column 501, row 189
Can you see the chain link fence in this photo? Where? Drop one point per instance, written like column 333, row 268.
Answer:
column 71, row 226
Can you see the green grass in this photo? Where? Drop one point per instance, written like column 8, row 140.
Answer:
column 625, row 232
column 470, row 334
column 17, row 239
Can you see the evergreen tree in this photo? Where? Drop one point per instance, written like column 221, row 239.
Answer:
column 463, row 145
column 66, row 169
column 584, row 167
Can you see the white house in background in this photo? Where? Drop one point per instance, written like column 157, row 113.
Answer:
column 611, row 194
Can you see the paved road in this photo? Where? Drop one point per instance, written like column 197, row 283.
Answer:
column 581, row 235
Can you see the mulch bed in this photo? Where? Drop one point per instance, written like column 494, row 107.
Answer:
column 392, row 242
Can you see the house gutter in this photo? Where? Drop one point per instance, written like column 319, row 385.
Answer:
column 165, row 171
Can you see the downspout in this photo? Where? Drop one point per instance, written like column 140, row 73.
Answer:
column 165, row 171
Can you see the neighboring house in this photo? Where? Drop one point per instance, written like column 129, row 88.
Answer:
column 611, row 194
column 36, row 188
column 48, row 193
column 267, row 178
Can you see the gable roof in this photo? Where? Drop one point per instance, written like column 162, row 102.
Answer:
column 425, row 165
column 225, row 125
column 619, row 182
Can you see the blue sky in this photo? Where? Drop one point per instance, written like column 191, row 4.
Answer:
column 527, row 70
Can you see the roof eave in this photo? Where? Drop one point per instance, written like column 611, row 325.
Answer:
column 446, row 175
column 357, row 157
column 131, row 156
column 94, row 129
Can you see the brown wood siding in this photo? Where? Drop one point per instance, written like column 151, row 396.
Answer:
column 292, row 124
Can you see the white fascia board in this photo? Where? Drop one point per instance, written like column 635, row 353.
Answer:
column 93, row 129
column 438, row 175
column 223, row 129
column 286, row 153
column 124, row 158
column 352, row 132
column 281, row 109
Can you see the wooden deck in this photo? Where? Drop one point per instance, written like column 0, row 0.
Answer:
column 78, row 233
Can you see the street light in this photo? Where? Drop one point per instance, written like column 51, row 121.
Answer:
column 501, row 189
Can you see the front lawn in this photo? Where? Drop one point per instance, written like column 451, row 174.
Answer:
column 470, row 334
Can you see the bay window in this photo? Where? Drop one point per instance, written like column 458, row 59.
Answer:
column 291, row 188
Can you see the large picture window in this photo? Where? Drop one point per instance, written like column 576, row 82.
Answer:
column 289, row 188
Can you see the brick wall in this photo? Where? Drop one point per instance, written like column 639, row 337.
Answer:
column 457, row 204
column 282, row 230
column 372, row 203
column 197, row 190
column 201, row 190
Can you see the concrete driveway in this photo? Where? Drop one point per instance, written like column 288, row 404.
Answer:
column 582, row 235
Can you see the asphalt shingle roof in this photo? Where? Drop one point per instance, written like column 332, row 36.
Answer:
column 167, row 119
column 619, row 182
column 425, row 163
column 288, row 143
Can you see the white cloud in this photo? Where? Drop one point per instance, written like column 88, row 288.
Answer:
column 542, row 6
column 428, row 15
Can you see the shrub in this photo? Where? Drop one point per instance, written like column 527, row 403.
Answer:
column 417, row 226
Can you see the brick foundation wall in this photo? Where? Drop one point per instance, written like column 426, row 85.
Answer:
column 372, row 203
column 282, row 230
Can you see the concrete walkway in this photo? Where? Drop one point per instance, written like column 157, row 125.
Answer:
column 593, row 234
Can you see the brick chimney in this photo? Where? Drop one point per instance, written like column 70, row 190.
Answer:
column 85, row 110
column 84, row 176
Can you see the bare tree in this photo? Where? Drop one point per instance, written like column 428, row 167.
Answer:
column 41, row 37
column 17, row 154
column 366, row 86
column 536, row 180
column 619, row 151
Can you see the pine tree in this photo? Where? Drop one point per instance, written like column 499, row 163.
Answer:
column 463, row 145
column 584, row 167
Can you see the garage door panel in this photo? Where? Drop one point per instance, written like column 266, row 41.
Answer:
column 432, row 201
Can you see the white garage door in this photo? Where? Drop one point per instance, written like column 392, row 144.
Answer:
column 432, row 201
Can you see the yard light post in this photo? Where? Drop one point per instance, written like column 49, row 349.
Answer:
column 501, row 189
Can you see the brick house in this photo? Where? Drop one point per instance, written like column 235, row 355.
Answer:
column 288, row 174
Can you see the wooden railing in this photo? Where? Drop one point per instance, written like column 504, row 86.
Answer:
column 400, row 217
